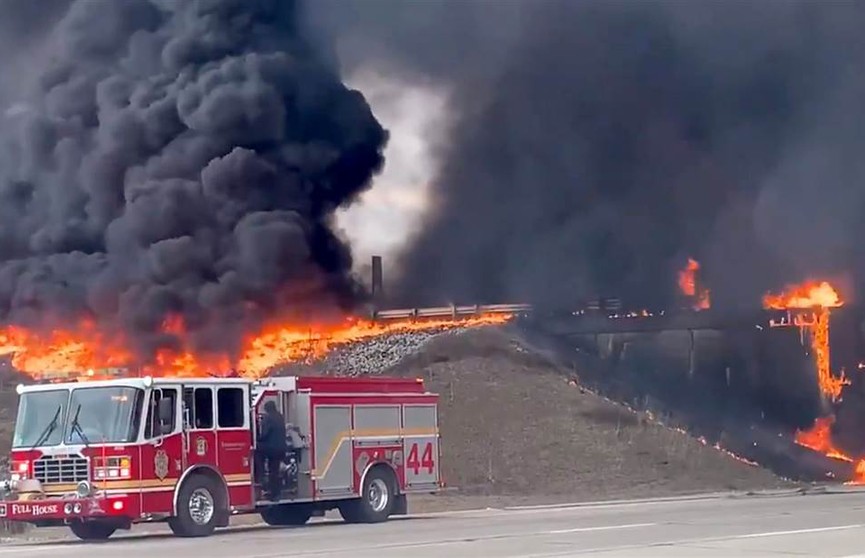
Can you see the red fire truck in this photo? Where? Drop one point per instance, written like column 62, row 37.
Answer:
column 100, row 456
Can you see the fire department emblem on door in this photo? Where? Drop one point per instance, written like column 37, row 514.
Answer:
column 160, row 464
column 200, row 446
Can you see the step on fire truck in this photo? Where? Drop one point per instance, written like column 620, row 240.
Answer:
column 102, row 455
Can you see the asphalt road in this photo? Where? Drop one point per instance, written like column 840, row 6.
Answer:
column 811, row 525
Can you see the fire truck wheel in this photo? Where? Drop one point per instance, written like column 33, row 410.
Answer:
column 291, row 514
column 198, row 505
column 92, row 530
column 377, row 499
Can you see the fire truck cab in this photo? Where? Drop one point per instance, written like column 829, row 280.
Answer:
column 100, row 456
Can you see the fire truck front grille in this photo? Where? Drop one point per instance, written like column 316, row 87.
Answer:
column 61, row 469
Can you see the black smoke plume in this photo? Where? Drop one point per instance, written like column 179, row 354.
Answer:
column 177, row 158
column 598, row 144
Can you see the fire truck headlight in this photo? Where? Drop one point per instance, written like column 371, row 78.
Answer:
column 83, row 490
column 76, row 508
column 67, row 509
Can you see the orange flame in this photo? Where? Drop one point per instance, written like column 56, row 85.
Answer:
column 859, row 473
column 86, row 351
column 819, row 439
column 280, row 343
column 807, row 295
column 689, row 287
column 819, row 297
column 829, row 384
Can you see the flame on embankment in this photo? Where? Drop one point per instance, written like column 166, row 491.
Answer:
column 817, row 299
column 690, row 287
column 87, row 351
column 819, row 439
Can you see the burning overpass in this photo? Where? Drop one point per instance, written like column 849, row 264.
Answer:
column 763, row 384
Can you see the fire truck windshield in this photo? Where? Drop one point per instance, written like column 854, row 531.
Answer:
column 41, row 415
column 104, row 415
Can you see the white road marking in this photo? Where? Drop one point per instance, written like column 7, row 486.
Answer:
column 699, row 540
column 668, row 500
column 798, row 531
column 602, row 528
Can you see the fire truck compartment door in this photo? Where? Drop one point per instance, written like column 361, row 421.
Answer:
column 421, row 446
column 333, row 450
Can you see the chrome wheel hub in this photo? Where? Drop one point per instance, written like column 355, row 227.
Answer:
column 378, row 495
column 201, row 506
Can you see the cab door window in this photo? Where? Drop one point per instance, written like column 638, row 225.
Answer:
column 157, row 425
column 198, row 407
column 232, row 407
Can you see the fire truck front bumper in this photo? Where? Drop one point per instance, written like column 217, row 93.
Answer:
column 61, row 510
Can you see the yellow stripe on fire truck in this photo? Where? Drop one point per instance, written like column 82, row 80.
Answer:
column 369, row 435
column 238, row 479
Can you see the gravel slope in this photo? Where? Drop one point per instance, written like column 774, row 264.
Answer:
column 514, row 425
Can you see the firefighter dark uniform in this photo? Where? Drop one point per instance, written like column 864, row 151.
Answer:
column 272, row 447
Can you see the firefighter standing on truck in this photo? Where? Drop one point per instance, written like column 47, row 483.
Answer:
column 271, row 447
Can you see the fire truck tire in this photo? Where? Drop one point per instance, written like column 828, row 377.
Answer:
column 291, row 514
column 92, row 530
column 199, row 504
column 377, row 499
